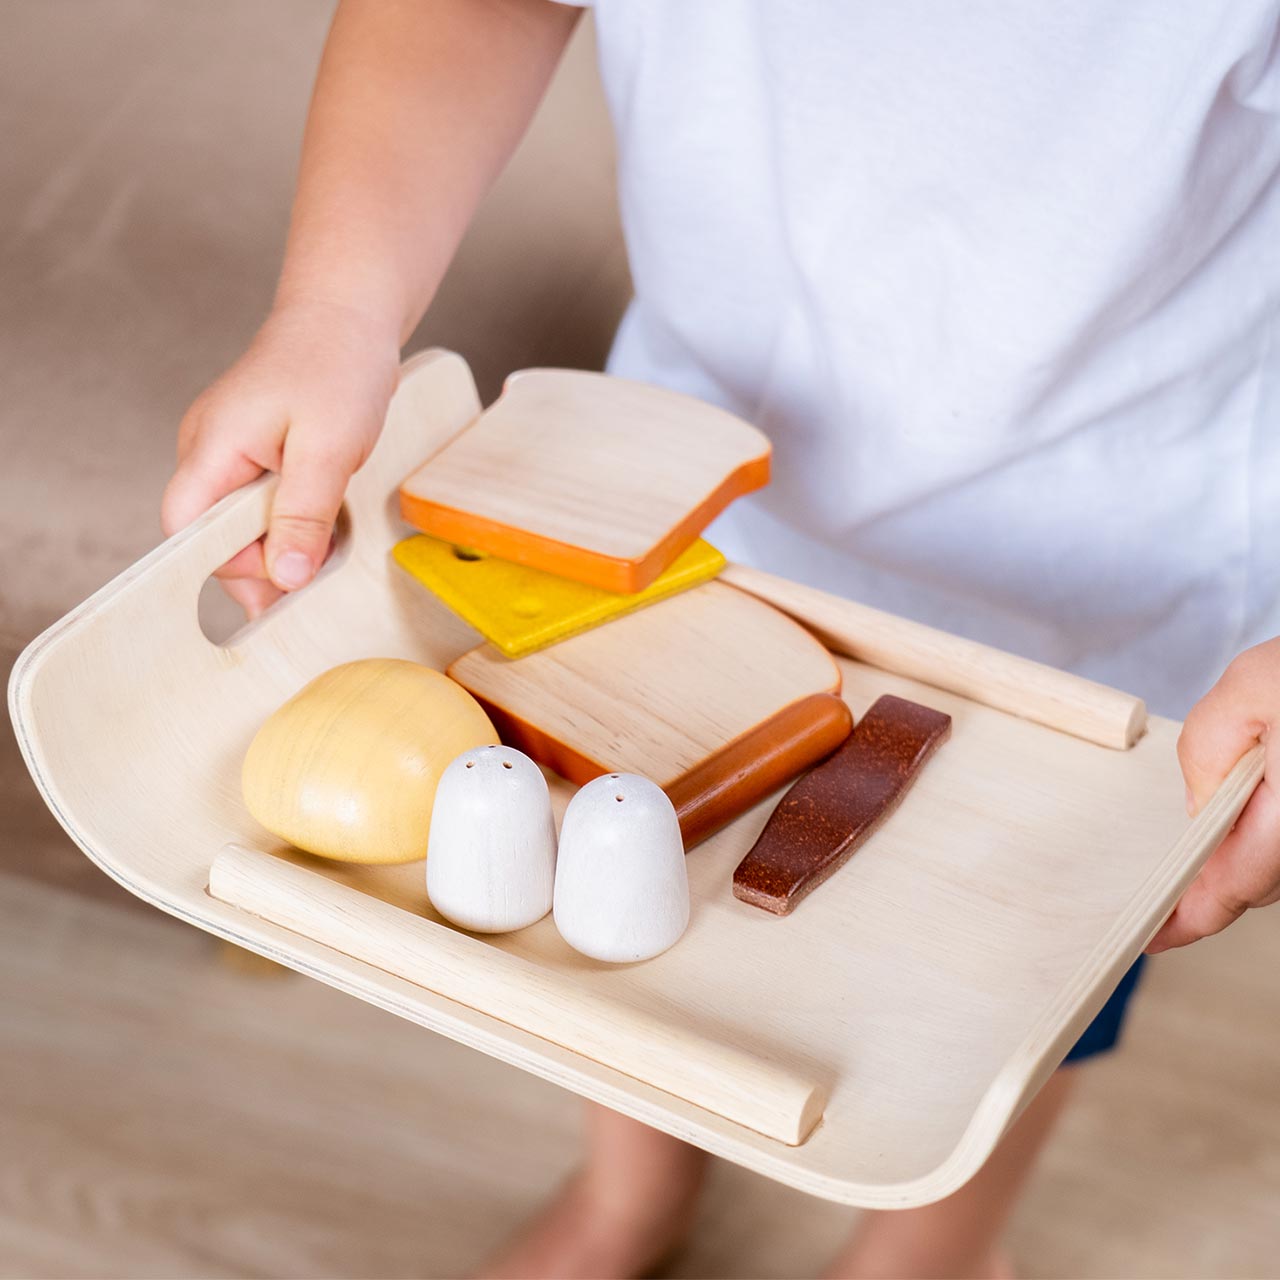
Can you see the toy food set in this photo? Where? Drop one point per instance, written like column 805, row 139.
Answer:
column 825, row 816
column 941, row 918
column 593, row 478
column 714, row 695
column 520, row 610
column 622, row 891
column 491, row 854
column 348, row 767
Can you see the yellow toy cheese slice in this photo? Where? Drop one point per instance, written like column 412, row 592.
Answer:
column 521, row 610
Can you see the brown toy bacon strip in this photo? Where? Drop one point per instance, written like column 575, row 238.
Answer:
column 832, row 810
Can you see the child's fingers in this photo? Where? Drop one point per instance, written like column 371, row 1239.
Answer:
column 312, row 482
column 244, row 578
column 1243, row 872
column 253, row 595
column 204, row 475
column 248, row 563
column 207, row 471
column 1228, row 720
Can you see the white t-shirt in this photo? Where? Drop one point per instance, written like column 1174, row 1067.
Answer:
column 1000, row 279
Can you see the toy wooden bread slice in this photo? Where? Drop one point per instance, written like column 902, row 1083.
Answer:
column 587, row 476
column 714, row 695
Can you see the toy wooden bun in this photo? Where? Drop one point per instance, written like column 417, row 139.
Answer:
column 348, row 767
column 622, row 890
column 491, row 858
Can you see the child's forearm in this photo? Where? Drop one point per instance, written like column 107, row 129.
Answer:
column 417, row 106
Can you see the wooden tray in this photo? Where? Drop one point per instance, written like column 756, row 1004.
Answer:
column 925, row 992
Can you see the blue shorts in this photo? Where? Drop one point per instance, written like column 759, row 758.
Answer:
column 1101, row 1034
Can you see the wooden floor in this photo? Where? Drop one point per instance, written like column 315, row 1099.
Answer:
column 168, row 1115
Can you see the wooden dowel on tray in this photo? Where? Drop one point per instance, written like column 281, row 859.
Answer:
column 748, row 1090
column 1057, row 699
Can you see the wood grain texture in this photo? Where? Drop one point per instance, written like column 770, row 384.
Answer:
column 622, row 886
column 348, row 767
column 1045, row 695
column 764, row 1096
column 656, row 692
column 738, row 776
column 1023, row 850
column 823, row 819
column 711, row 695
column 593, row 478
column 491, row 857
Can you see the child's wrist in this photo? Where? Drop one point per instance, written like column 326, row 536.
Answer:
column 378, row 325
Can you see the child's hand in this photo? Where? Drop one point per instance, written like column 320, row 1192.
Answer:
column 416, row 109
column 1244, row 871
column 306, row 400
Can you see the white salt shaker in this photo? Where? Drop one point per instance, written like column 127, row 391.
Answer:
column 622, row 890
column 491, row 852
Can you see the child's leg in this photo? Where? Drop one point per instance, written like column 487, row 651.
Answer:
column 628, row 1206
column 957, row 1237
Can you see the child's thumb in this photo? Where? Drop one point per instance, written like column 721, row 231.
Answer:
column 302, row 516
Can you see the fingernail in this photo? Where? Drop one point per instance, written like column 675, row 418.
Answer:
column 291, row 570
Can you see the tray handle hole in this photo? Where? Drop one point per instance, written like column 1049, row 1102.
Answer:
column 222, row 620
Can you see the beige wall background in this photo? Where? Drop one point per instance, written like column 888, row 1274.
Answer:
column 166, row 1114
